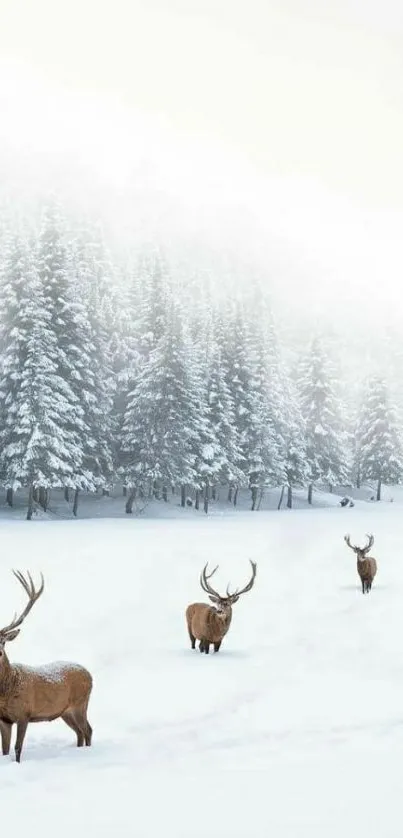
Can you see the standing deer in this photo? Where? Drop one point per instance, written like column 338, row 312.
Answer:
column 210, row 624
column 366, row 566
column 43, row 693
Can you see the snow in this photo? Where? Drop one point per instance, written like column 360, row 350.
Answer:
column 295, row 729
column 53, row 672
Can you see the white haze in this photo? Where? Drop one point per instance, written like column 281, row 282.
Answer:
column 269, row 131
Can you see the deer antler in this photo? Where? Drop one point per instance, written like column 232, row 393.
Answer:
column 251, row 581
column 370, row 538
column 348, row 542
column 205, row 583
column 32, row 594
column 237, row 593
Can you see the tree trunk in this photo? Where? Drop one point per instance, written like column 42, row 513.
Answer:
column 197, row 499
column 43, row 498
column 289, row 497
column 75, row 504
column 254, row 497
column 310, row 490
column 378, row 489
column 35, row 494
column 124, row 491
column 206, row 499
column 230, row 494
column 66, row 494
column 105, row 493
column 281, row 497
column 183, row 495
column 130, row 501
column 331, row 488
column 261, row 493
column 10, row 496
column 165, row 494
column 214, row 493
column 236, row 496
column 30, row 504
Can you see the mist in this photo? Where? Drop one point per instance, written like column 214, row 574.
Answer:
column 254, row 140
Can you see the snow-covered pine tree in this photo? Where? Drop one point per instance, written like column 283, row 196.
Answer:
column 154, row 284
column 237, row 364
column 208, row 456
column 246, row 361
column 271, row 384
column 74, row 350
column 144, row 324
column 97, row 311
column 378, row 444
column 296, row 464
column 39, row 443
column 87, row 346
column 222, row 411
column 160, row 427
column 325, row 438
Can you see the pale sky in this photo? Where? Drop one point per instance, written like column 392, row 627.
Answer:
column 291, row 109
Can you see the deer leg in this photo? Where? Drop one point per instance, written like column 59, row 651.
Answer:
column 21, row 731
column 88, row 734
column 69, row 719
column 206, row 647
column 80, row 717
column 192, row 638
column 201, row 646
column 217, row 646
column 5, row 730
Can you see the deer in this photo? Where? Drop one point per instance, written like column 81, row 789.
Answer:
column 43, row 693
column 366, row 566
column 209, row 624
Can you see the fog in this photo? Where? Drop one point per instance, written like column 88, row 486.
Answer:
column 265, row 133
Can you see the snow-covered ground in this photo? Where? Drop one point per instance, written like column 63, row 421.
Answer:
column 294, row 729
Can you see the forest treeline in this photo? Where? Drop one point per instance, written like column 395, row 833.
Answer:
column 118, row 373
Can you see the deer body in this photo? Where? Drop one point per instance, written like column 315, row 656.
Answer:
column 367, row 569
column 209, row 624
column 366, row 565
column 38, row 694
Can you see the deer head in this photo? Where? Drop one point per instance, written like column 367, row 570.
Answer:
column 224, row 604
column 11, row 631
column 361, row 552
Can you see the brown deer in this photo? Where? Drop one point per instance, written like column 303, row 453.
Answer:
column 43, row 693
column 366, row 566
column 210, row 624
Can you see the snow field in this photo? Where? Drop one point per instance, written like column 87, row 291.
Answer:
column 294, row 729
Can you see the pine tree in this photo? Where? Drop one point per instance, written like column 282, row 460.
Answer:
column 245, row 355
column 222, row 416
column 296, row 464
column 239, row 370
column 160, row 424
column 38, row 442
column 91, row 334
column 325, row 439
column 378, row 450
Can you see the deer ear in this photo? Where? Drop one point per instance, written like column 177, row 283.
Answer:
column 214, row 599
column 11, row 635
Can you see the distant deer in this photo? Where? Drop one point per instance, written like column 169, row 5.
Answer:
column 366, row 566
column 43, row 693
column 210, row 624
